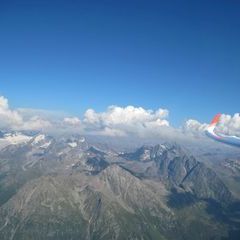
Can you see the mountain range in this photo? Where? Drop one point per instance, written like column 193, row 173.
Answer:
column 72, row 188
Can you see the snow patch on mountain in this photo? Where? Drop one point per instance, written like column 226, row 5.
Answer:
column 38, row 139
column 46, row 144
column 72, row 144
column 14, row 138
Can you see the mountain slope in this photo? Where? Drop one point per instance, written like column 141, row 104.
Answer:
column 69, row 189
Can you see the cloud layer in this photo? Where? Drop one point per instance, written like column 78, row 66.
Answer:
column 14, row 119
column 115, row 121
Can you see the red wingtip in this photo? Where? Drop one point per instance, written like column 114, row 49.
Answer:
column 216, row 119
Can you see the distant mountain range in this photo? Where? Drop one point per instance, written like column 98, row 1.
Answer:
column 70, row 188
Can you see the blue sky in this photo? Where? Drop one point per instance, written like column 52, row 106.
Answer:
column 73, row 55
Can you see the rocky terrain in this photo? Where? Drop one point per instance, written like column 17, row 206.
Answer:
column 68, row 188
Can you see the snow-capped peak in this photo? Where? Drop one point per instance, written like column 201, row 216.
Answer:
column 72, row 144
column 38, row 138
column 41, row 141
column 82, row 140
column 15, row 138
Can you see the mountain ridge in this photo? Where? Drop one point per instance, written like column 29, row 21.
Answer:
column 80, row 191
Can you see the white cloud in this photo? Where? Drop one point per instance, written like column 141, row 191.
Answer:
column 35, row 123
column 74, row 121
column 115, row 121
column 3, row 103
column 194, row 126
column 230, row 124
column 50, row 115
column 125, row 120
column 8, row 117
column 14, row 119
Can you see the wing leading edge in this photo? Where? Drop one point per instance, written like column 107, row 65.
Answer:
column 230, row 140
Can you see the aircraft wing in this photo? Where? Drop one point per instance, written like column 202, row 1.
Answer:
column 230, row 140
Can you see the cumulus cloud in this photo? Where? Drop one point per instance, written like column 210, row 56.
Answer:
column 14, row 119
column 8, row 117
column 230, row 124
column 74, row 121
column 193, row 126
column 125, row 120
column 115, row 121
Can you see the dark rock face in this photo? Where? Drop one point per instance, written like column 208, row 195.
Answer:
column 97, row 163
column 69, row 189
column 173, row 165
column 205, row 184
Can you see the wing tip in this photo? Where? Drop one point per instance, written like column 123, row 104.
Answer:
column 215, row 119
